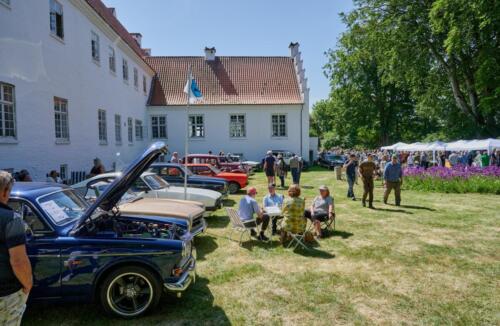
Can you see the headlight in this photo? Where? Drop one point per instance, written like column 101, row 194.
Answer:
column 186, row 248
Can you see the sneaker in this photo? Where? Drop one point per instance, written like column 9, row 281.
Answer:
column 385, row 202
column 253, row 233
column 262, row 237
column 371, row 207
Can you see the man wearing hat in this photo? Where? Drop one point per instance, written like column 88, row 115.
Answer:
column 393, row 179
column 367, row 170
column 249, row 207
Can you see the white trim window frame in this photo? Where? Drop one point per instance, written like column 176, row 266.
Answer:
column 237, row 125
column 56, row 19
column 112, row 59
column 159, row 127
column 8, row 125
column 136, row 78
column 144, row 84
column 139, row 133
column 118, row 129
column 102, row 127
column 63, row 172
column 125, row 70
column 61, row 120
column 130, row 130
column 95, row 47
column 196, row 126
column 279, row 128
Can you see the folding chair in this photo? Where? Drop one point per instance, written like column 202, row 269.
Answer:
column 327, row 225
column 298, row 238
column 238, row 225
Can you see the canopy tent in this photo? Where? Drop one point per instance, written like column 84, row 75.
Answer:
column 460, row 145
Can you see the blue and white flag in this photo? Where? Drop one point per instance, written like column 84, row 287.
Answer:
column 192, row 90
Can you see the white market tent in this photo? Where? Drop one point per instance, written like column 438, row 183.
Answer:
column 460, row 145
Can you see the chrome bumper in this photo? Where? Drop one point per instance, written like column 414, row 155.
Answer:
column 188, row 277
column 200, row 228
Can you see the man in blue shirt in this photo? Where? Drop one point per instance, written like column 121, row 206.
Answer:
column 393, row 178
column 249, row 207
column 272, row 199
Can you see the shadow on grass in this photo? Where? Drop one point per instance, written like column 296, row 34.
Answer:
column 249, row 244
column 217, row 221
column 313, row 252
column 418, row 207
column 205, row 245
column 392, row 210
column 336, row 233
column 229, row 202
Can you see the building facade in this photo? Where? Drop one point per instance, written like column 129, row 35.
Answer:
column 250, row 104
column 73, row 86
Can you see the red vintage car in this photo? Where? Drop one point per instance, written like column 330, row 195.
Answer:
column 215, row 161
column 236, row 181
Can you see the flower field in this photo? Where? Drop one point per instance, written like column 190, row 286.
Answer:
column 459, row 179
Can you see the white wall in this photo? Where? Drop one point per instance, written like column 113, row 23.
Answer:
column 41, row 67
column 258, row 124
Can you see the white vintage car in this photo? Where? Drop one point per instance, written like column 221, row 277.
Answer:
column 150, row 185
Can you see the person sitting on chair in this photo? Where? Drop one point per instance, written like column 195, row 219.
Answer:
column 321, row 210
column 272, row 199
column 293, row 213
column 249, row 207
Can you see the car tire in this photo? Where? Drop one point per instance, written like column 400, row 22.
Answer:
column 233, row 187
column 129, row 292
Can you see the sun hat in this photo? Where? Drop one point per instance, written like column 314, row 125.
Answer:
column 323, row 187
column 271, row 185
column 269, row 152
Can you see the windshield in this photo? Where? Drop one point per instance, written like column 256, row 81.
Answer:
column 63, row 207
column 155, row 182
column 186, row 170
column 214, row 169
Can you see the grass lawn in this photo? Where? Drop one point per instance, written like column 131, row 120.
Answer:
column 434, row 260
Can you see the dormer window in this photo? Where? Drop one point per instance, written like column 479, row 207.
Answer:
column 56, row 19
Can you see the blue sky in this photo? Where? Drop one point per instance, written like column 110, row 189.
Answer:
column 239, row 27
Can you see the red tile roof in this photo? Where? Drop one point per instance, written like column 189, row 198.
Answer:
column 107, row 15
column 226, row 80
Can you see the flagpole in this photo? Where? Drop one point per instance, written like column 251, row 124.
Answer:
column 186, row 142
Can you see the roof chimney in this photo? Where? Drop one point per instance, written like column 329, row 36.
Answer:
column 113, row 11
column 137, row 37
column 210, row 53
column 294, row 48
column 147, row 52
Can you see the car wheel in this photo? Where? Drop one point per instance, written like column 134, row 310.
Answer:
column 233, row 187
column 130, row 292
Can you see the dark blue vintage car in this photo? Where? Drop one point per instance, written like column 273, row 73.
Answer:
column 94, row 253
column 174, row 173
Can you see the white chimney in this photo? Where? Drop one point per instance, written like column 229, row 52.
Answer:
column 210, row 53
column 137, row 37
column 294, row 48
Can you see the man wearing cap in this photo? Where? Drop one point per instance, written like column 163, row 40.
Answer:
column 270, row 167
column 16, row 278
column 367, row 170
column 249, row 207
column 393, row 178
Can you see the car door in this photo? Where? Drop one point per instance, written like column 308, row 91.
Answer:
column 175, row 176
column 43, row 251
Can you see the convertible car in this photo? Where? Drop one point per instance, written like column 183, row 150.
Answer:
column 98, row 253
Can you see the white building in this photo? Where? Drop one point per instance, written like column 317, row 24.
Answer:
column 73, row 86
column 250, row 105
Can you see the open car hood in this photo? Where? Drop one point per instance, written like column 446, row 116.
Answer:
column 114, row 192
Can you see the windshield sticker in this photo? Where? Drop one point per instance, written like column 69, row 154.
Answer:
column 54, row 210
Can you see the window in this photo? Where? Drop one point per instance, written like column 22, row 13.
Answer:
column 196, row 127
column 61, row 119
column 5, row 2
column 112, row 59
column 136, row 78
column 95, row 47
column 278, row 122
column 138, row 130
column 56, row 18
column 125, row 69
column 103, row 132
column 63, row 172
column 7, row 111
column 118, row 129
column 237, row 126
column 130, row 126
column 159, row 126
column 144, row 84
column 32, row 220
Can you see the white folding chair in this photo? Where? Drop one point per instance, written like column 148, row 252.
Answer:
column 238, row 225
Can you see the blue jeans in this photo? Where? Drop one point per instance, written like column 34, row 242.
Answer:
column 295, row 175
column 350, row 182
